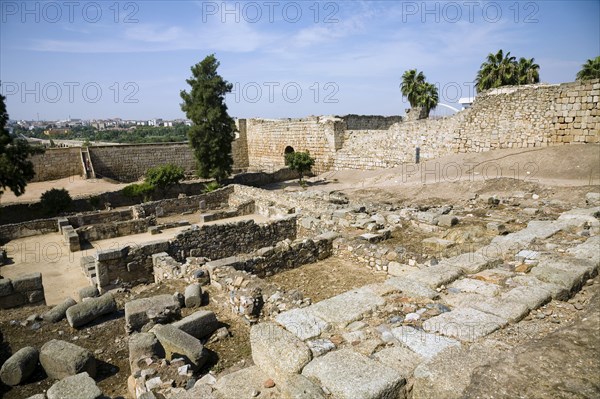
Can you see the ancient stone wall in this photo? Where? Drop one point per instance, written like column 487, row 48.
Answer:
column 370, row 122
column 27, row 229
column 130, row 162
column 269, row 138
column 24, row 290
column 509, row 117
column 57, row 163
column 104, row 231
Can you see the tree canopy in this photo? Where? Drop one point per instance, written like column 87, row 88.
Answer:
column 15, row 167
column 590, row 70
column 300, row 162
column 213, row 129
column 418, row 91
column 503, row 69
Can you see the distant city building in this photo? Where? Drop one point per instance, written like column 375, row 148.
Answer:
column 466, row 102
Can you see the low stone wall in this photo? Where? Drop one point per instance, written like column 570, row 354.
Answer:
column 57, row 163
column 134, row 264
column 27, row 229
column 222, row 240
column 99, row 217
column 104, row 231
column 284, row 255
column 213, row 200
column 25, row 290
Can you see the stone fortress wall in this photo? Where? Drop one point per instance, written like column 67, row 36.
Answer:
column 510, row 117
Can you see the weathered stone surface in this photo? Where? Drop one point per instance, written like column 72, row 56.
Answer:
column 532, row 297
column 447, row 220
column 17, row 368
column 193, row 295
column 85, row 312
column 88, row 292
column 465, row 324
column 59, row 312
column 243, row 383
column 302, row 322
column 38, row 396
column 347, row 307
column 413, row 289
column 569, row 273
column 29, row 282
column 6, row 287
column 200, row 324
column 178, row 343
column 563, row 364
column 476, row 286
column 80, row 386
column 399, row 358
column 141, row 346
column 277, row 351
column 297, row 386
column 422, row 343
column 438, row 243
column 511, row 311
column 558, row 292
column 473, row 262
column 350, row 375
column 449, row 374
column 435, row 276
column 61, row 359
column 587, row 250
column 157, row 309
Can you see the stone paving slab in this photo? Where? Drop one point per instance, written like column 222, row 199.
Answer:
column 243, row 383
column 435, row 276
column 523, row 238
column 558, row 292
column 400, row 359
column 422, row 343
column 511, row 311
column 579, row 217
column 569, row 279
column 585, row 266
column 345, row 308
column 532, row 297
column 350, row 375
column 413, row 289
column 588, row 250
column 303, row 323
column 465, row 324
column 476, row 286
column 472, row 262
column 277, row 351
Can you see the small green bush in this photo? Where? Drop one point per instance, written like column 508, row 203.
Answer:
column 56, row 200
column 142, row 191
column 212, row 186
column 164, row 176
column 300, row 162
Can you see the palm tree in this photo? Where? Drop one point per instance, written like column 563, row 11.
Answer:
column 498, row 70
column 428, row 97
column 418, row 92
column 528, row 71
column 590, row 70
column 412, row 80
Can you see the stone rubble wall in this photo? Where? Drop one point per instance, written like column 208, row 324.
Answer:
column 104, row 231
column 213, row 200
column 36, row 227
column 134, row 264
column 24, row 290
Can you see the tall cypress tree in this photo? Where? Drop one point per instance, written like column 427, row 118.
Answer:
column 213, row 129
column 15, row 167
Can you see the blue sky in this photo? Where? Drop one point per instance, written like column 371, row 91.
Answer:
column 285, row 59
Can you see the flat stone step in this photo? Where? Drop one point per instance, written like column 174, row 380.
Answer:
column 473, row 262
column 423, row 343
column 350, row 375
column 345, row 308
column 511, row 311
column 465, row 324
column 557, row 292
column 532, row 297
column 303, row 323
column 435, row 276
column 476, row 286
column 411, row 288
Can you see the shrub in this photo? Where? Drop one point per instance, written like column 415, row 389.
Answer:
column 300, row 162
column 143, row 191
column 56, row 200
column 212, row 186
column 164, row 176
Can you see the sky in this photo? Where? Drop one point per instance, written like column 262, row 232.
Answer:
column 131, row 59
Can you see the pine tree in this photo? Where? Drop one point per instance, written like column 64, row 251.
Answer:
column 15, row 167
column 213, row 129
